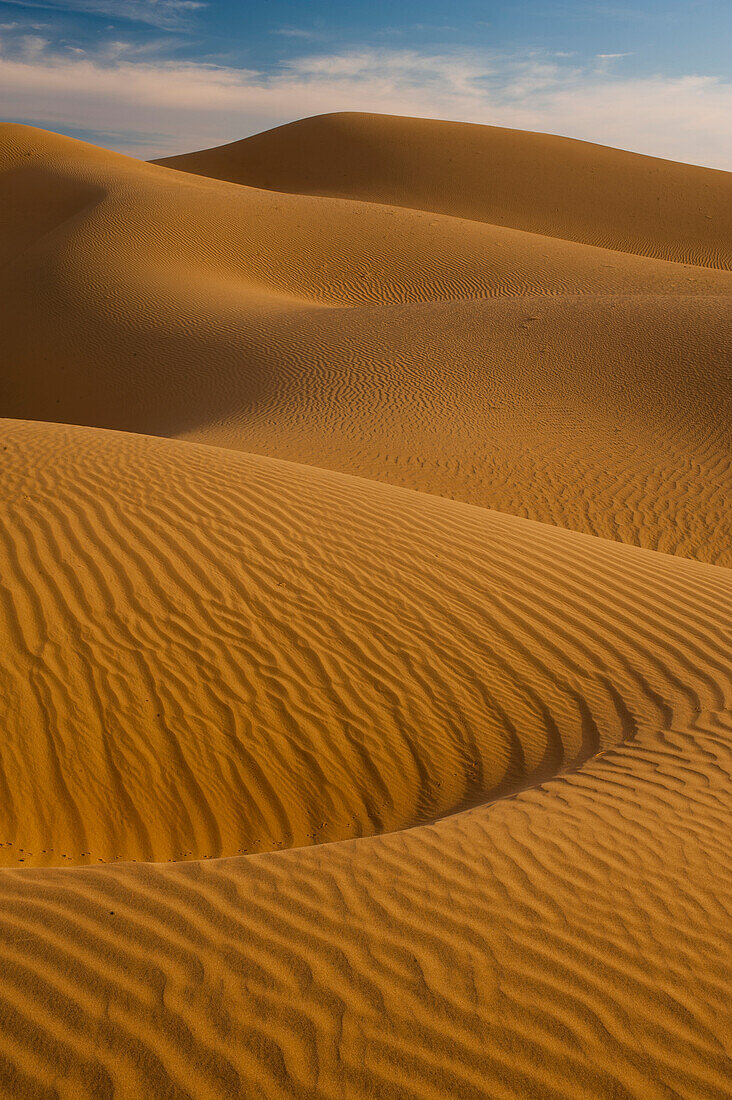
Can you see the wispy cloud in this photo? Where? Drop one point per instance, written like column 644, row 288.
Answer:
column 18, row 25
column 167, row 14
column 166, row 106
column 605, row 60
column 293, row 32
column 33, row 46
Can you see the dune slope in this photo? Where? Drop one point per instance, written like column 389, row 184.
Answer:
column 572, row 939
column 365, row 657
column 554, row 380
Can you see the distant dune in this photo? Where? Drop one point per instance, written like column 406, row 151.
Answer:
column 558, row 381
column 554, row 186
column 366, row 621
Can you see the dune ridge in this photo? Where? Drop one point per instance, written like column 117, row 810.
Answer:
column 365, row 674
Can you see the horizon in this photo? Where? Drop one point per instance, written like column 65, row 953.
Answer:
column 152, row 78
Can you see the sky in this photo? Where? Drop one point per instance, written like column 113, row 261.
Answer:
column 154, row 77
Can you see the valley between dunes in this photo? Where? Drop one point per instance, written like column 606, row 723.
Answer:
column 366, row 615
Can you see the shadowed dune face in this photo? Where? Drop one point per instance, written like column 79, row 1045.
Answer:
column 565, row 383
column 219, row 646
column 35, row 202
column 515, row 735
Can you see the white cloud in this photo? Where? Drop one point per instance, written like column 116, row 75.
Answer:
column 169, row 106
column 605, row 60
column 33, row 46
column 158, row 13
column 293, row 32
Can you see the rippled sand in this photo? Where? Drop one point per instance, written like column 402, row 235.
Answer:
column 366, row 658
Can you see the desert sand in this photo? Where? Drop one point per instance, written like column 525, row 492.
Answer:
column 366, row 664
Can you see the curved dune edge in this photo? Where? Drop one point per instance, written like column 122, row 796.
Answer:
column 554, row 380
column 545, row 184
column 573, row 940
column 241, row 654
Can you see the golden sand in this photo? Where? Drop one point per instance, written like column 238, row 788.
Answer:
column 366, row 659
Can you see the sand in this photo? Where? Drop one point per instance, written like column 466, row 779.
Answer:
column 566, row 383
column 365, row 673
column 555, row 186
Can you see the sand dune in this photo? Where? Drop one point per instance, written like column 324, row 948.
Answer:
column 345, row 684
column 567, row 939
column 565, row 383
column 369, row 735
column 537, row 182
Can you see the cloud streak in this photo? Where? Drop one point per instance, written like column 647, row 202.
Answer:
column 166, row 14
column 165, row 106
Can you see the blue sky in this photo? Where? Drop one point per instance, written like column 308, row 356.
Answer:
column 155, row 76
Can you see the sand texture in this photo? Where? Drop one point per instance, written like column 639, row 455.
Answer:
column 366, row 619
